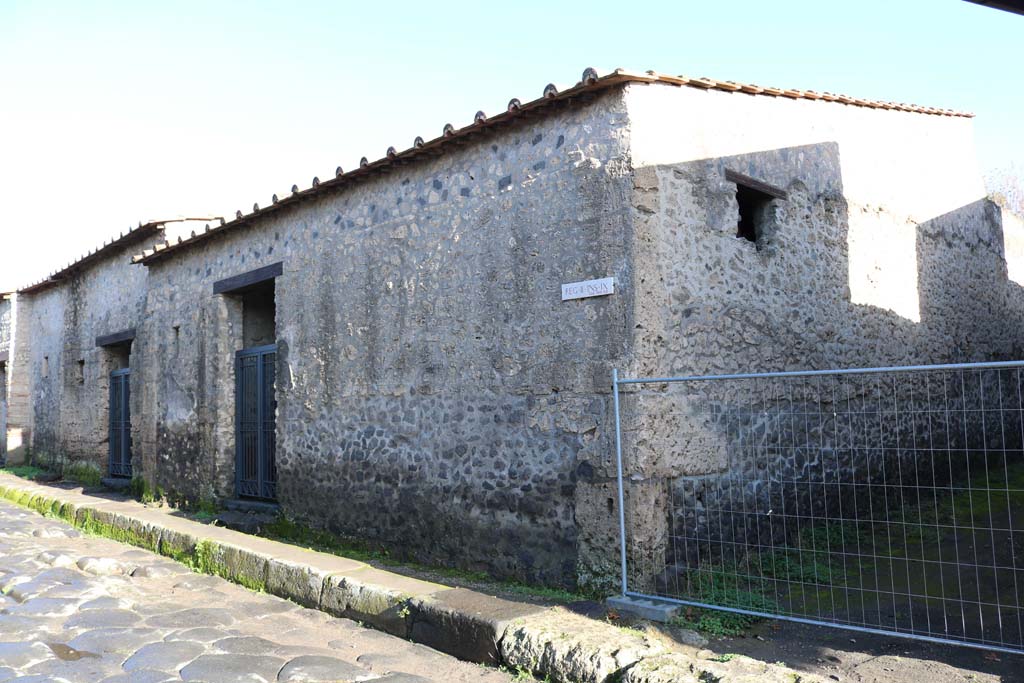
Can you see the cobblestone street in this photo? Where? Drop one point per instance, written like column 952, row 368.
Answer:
column 83, row 609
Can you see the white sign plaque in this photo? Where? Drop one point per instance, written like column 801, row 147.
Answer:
column 588, row 288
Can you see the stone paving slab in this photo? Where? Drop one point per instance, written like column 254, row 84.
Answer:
column 549, row 642
column 168, row 627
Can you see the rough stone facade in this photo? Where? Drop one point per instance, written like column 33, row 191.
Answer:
column 67, row 373
column 436, row 395
column 434, row 392
column 885, row 252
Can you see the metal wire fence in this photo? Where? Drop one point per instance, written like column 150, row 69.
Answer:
column 879, row 499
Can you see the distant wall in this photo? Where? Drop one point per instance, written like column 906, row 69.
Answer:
column 66, row 373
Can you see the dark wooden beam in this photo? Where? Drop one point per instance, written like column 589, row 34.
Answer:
column 755, row 184
column 116, row 338
column 253, row 277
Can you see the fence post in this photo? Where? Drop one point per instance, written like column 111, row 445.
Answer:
column 618, row 466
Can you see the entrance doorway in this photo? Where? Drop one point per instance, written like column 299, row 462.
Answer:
column 116, row 359
column 255, row 468
column 120, row 440
column 255, row 404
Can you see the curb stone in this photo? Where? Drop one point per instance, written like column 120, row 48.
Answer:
column 466, row 624
column 569, row 647
column 551, row 642
column 297, row 582
column 678, row 668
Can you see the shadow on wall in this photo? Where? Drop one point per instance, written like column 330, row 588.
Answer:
column 970, row 304
column 826, row 283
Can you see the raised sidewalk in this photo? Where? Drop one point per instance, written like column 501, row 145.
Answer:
column 548, row 641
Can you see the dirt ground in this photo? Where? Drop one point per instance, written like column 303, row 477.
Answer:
column 843, row 655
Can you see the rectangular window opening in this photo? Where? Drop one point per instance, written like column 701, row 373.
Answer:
column 752, row 207
column 753, row 198
column 80, row 371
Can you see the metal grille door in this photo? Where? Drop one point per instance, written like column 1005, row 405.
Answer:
column 120, row 424
column 255, row 469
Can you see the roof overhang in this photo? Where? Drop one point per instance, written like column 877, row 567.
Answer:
column 590, row 84
column 135, row 235
column 1015, row 6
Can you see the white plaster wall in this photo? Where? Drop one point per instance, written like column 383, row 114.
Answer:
column 916, row 164
column 898, row 169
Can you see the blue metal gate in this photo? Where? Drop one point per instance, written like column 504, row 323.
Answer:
column 255, row 408
column 120, row 441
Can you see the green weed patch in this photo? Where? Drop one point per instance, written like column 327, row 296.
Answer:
column 30, row 472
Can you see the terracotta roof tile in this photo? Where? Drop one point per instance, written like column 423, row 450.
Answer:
column 133, row 235
column 590, row 81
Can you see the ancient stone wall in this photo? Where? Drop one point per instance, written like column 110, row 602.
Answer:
column 434, row 393
column 67, row 373
column 883, row 253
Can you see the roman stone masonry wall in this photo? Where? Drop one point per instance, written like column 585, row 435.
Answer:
column 434, row 393
column 42, row 315
column 884, row 253
column 68, row 374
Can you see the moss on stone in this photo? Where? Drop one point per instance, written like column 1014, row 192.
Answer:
column 250, row 582
column 85, row 473
column 206, row 557
column 209, row 558
column 121, row 534
column 183, row 555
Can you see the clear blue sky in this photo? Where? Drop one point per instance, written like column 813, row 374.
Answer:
column 115, row 112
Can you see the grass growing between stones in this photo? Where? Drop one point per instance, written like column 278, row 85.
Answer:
column 521, row 673
column 289, row 531
column 91, row 525
column 204, row 558
column 84, row 473
column 143, row 492
column 207, row 558
column 30, row 472
column 724, row 585
column 204, row 511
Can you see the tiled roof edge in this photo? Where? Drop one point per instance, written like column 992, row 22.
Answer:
column 133, row 235
column 590, row 82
